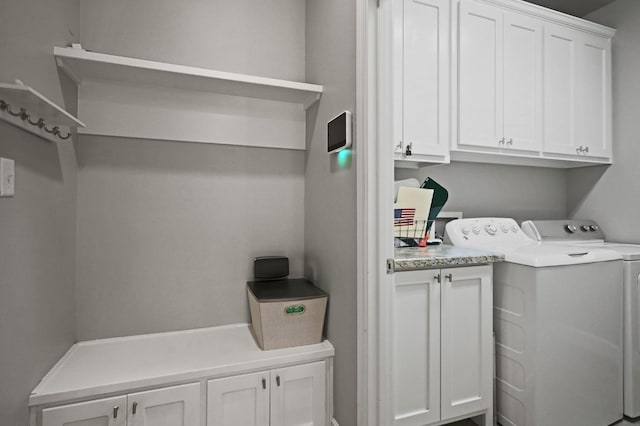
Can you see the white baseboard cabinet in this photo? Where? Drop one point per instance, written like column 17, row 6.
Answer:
column 442, row 367
column 214, row 376
column 282, row 397
column 172, row 406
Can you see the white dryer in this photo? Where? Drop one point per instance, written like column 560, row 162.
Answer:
column 558, row 325
column 587, row 233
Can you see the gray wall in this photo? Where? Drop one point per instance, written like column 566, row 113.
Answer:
column 255, row 37
column 37, row 226
column 167, row 231
column 330, row 190
column 611, row 195
column 481, row 190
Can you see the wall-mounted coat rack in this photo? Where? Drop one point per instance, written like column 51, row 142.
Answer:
column 29, row 110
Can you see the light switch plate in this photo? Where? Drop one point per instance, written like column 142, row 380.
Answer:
column 7, row 177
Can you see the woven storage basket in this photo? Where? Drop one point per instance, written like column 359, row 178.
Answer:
column 282, row 322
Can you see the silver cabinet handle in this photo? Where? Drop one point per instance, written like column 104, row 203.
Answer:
column 115, row 411
column 135, row 408
column 437, row 278
column 501, row 141
column 586, row 149
column 264, row 383
column 278, row 380
column 510, row 142
column 449, row 277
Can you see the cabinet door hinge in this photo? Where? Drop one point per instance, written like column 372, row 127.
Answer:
column 390, row 266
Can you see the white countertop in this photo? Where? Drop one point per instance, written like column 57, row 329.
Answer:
column 105, row 366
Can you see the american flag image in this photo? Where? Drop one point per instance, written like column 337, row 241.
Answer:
column 403, row 217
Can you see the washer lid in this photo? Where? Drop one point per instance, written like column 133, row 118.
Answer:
column 628, row 251
column 544, row 255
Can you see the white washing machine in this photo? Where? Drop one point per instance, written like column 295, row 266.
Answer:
column 558, row 325
column 587, row 233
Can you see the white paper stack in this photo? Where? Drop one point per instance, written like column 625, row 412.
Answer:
column 411, row 212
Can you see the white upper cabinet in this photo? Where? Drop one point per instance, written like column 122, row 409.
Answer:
column 493, row 81
column 480, row 75
column 578, row 93
column 595, row 91
column 500, row 78
column 561, row 80
column 420, row 49
column 522, row 71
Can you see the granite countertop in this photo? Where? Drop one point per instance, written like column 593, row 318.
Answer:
column 441, row 256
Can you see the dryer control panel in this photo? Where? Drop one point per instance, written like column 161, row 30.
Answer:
column 563, row 230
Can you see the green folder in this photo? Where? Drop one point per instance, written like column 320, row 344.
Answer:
column 440, row 197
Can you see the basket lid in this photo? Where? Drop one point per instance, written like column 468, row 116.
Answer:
column 284, row 290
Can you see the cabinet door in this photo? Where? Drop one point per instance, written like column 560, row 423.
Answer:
column 102, row 412
column 173, row 406
column 298, row 395
column 416, row 348
column 561, row 85
column 480, row 68
column 239, row 400
column 467, row 324
column 425, row 76
column 522, row 82
column 595, row 95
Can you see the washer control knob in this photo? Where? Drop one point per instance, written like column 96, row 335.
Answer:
column 476, row 230
column 465, row 230
column 491, row 229
column 505, row 228
column 585, row 228
column 514, row 228
column 594, row 228
column 570, row 228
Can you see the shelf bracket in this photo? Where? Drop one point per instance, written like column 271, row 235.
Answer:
column 310, row 101
column 68, row 71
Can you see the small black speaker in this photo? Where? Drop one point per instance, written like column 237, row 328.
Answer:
column 270, row 267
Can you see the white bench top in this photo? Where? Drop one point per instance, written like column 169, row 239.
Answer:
column 99, row 367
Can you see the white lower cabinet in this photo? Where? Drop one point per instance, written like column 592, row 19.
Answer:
column 174, row 406
column 290, row 396
column 171, row 406
column 215, row 376
column 442, row 365
column 239, row 400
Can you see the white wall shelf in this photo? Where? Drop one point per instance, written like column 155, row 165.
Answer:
column 134, row 98
column 82, row 65
column 31, row 111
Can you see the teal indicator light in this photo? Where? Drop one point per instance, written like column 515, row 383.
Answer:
column 344, row 158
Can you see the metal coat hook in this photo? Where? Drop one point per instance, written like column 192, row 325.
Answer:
column 39, row 123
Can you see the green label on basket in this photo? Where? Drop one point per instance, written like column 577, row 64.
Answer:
column 294, row 309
